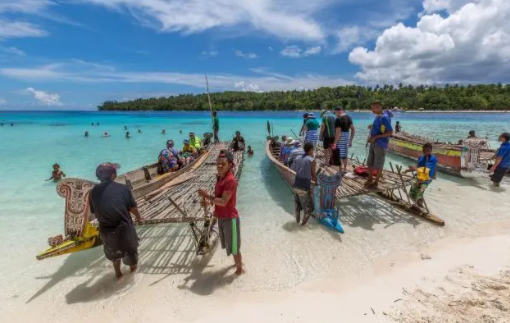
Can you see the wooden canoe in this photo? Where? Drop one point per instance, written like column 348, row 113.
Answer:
column 390, row 183
column 460, row 160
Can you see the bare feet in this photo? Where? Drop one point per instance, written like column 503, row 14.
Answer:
column 133, row 268
column 368, row 183
column 305, row 219
column 239, row 271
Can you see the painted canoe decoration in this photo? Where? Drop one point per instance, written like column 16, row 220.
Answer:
column 472, row 158
column 170, row 198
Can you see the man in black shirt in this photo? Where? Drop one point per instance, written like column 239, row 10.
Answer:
column 112, row 203
column 238, row 142
column 344, row 135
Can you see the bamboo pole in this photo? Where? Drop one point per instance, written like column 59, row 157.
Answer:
column 209, row 99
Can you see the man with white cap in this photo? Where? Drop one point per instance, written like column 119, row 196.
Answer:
column 112, row 203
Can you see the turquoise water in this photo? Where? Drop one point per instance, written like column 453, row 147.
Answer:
column 31, row 211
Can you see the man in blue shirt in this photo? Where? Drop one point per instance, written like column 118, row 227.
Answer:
column 379, row 140
column 425, row 173
column 502, row 165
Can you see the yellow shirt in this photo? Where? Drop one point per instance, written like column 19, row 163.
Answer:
column 188, row 149
column 197, row 142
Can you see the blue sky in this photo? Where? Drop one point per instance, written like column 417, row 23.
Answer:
column 74, row 54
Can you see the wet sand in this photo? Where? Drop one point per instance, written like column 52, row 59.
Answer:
column 293, row 274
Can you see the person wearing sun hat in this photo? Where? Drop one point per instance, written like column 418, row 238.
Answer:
column 188, row 152
column 311, row 129
column 224, row 201
column 112, row 203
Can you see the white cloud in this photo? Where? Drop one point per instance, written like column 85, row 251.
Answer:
column 79, row 73
column 297, row 52
column 348, row 37
column 24, row 6
column 17, row 29
column 248, row 87
column 245, row 55
column 2, row 101
column 45, row 98
column 432, row 6
column 471, row 44
column 12, row 50
column 282, row 18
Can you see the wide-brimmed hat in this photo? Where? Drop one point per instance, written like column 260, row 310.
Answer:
column 289, row 141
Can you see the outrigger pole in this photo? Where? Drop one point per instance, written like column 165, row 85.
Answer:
column 209, row 99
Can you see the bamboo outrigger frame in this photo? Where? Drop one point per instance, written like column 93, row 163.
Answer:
column 175, row 201
column 393, row 186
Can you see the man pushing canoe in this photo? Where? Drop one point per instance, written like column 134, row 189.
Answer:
column 112, row 203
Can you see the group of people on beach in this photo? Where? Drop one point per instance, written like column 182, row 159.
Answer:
column 112, row 203
column 337, row 132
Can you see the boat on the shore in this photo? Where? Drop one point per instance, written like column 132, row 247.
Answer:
column 472, row 158
column 393, row 186
column 81, row 229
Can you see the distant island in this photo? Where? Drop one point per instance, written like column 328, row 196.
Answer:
column 445, row 98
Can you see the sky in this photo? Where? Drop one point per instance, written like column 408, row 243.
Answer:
column 75, row 54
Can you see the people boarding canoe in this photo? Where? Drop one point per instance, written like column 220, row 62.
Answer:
column 302, row 130
column 305, row 166
column 189, row 152
column 195, row 141
column 311, row 129
column 295, row 153
column 502, row 165
column 224, row 201
column 112, row 203
column 425, row 173
column 379, row 141
column 344, row 135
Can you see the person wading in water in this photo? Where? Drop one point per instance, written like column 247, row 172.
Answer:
column 112, row 203
column 224, row 201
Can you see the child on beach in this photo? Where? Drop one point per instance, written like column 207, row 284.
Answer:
column 502, row 165
column 57, row 174
column 305, row 166
column 224, row 201
column 425, row 173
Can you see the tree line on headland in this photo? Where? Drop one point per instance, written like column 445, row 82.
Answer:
column 448, row 97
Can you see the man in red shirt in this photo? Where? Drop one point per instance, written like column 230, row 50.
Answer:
column 224, row 201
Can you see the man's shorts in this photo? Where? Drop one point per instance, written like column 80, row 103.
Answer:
column 376, row 156
column 230, row 235
column 327, row 142
column 498, row 175
column 343, row 145
column 121, row 243
column 303, row 201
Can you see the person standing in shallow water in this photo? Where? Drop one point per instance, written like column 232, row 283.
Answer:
column 305, row 166
column 112, row 203
column 216, row 127
column 224, row 201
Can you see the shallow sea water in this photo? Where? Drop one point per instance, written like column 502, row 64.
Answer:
column 278, row 254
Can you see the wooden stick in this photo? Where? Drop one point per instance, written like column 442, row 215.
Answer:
column 209, row 99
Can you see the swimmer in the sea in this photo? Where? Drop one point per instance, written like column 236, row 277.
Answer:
column 127, row 135
column 163, row 131
column 86, row 133
column 106, row 134
column 57, row 174
column 250, row 151
column 125, row 127
column 139, row 131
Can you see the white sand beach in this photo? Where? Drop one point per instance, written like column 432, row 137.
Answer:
column 292, row 274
